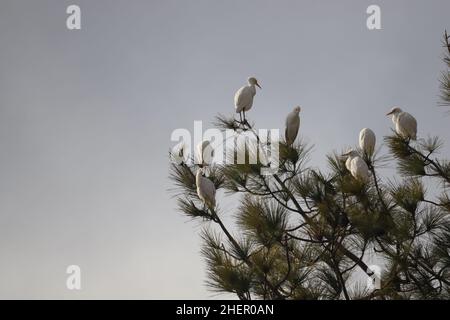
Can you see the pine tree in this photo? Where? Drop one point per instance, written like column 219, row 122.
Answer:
column 445, row 78
column 304, row 233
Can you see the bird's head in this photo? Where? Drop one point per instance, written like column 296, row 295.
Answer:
column 253, row 82
column 297, row 109
column 350, row 153
column 200, row 172
column 395, row 110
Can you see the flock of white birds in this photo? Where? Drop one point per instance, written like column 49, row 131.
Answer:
column 405, row 126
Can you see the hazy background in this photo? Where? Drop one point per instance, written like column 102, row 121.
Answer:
column 86, row 118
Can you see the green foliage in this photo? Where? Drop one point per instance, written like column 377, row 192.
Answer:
column 225, row 274
column 192, row 210
column 264, row 221
column 409, row 194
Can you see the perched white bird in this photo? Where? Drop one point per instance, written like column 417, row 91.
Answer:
column 205, row 152
column 205, row 189
column 349, row 159
column 356, row 165
column 178, row 153
column 405, row 124
column 292, row 125
column 243, row 99
column 347, row 162
column 367, row 141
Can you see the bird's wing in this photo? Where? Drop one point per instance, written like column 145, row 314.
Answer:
column 367, row 139
column 348, row 164
column 200, row 152
column 362, row 139
column 210, row 190
column 200, row 193
column 353, row 167
column 409, row 123
column 360, row 168
column 372, row 139
column 243, row 98
column 292, row 126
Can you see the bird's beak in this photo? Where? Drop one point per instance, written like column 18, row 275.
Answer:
column 345, row 154
column 389, row 113
column 257, row 84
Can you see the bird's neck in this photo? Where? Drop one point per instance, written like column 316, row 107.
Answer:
column 395, row 117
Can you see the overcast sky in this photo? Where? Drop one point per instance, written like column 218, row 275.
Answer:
column 86, row 118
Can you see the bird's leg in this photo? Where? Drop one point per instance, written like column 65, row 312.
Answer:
column 245, row 120
column 240, row 116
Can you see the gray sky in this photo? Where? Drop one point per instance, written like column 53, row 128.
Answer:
column 86, row 118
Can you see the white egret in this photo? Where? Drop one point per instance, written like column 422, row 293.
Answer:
column 206, row 190
column 367, row 141
column 356, row 165
column 347, row 162
column 205, row 153
column 243, row 99
column 292, row 125
column 178, row 153
column 405, row 124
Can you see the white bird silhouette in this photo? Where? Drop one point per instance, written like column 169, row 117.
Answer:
column 405, row 124
column 206, row 190
column 356, row 165
column 292, row 125
column 205, row 153
column 243, row 99
column 367, row 141
column 349, row 157
column 178, row 153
